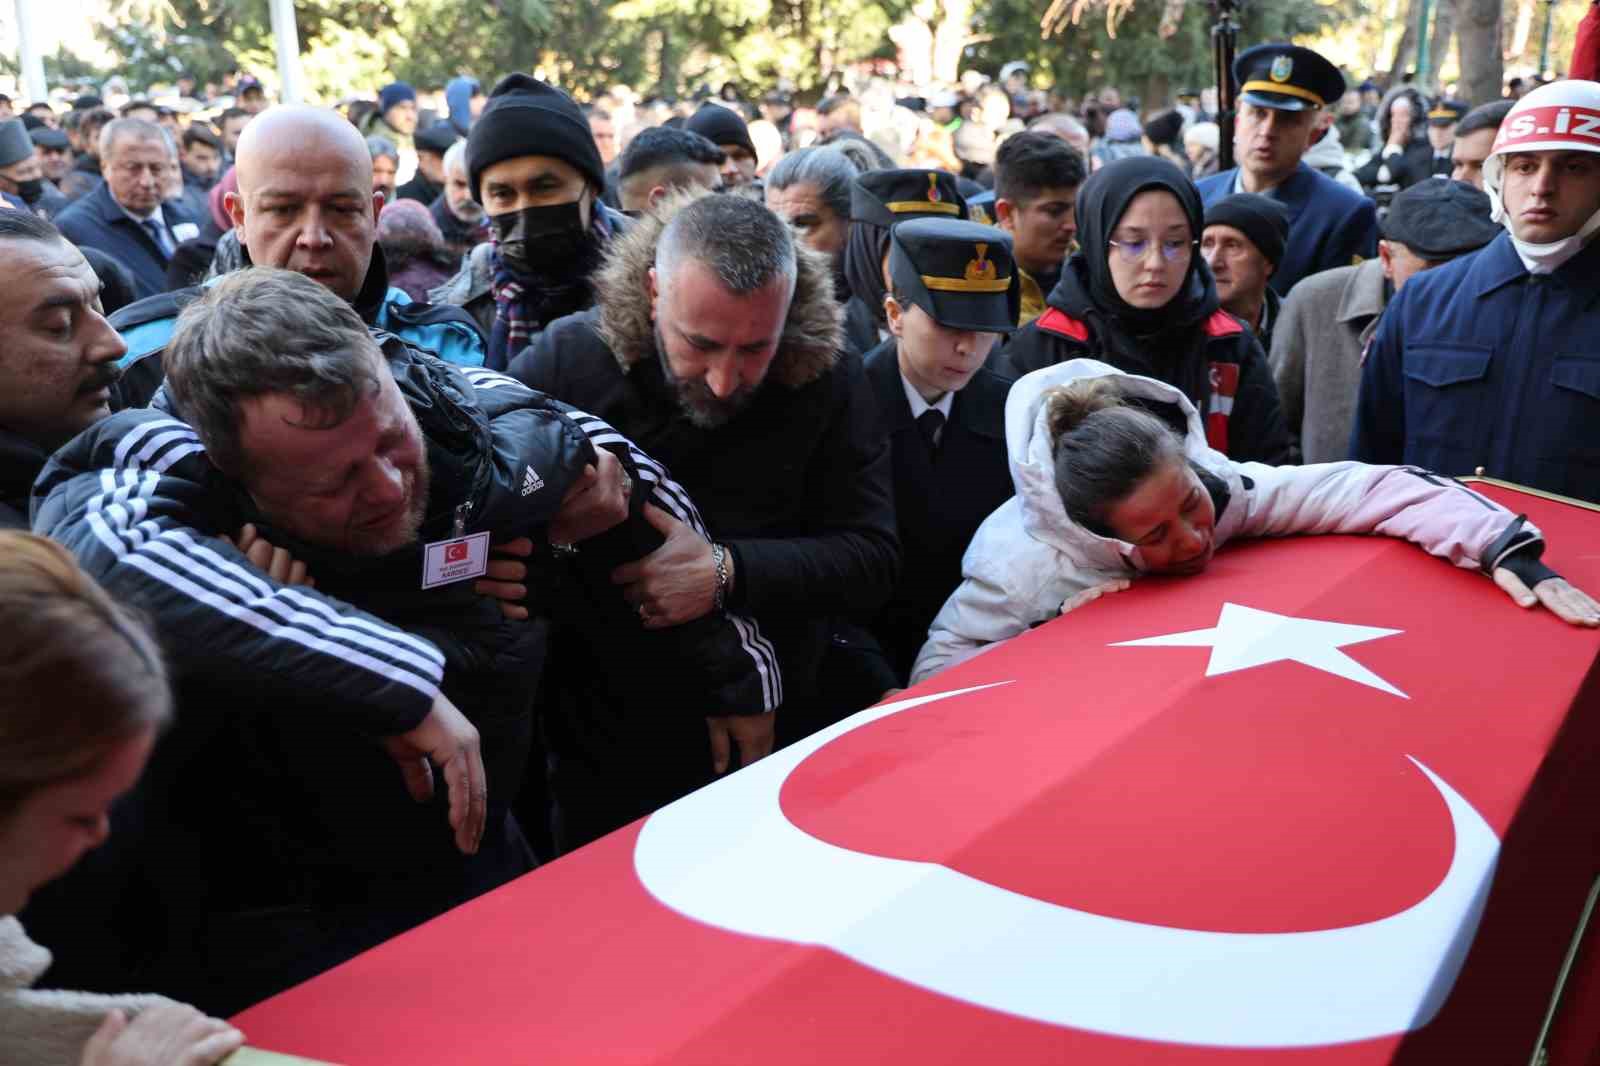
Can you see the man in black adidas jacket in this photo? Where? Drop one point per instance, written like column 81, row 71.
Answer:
column 312, row 851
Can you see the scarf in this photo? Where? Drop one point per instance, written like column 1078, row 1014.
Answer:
column 525, row 304
column 1166, row 343
column 864, row 250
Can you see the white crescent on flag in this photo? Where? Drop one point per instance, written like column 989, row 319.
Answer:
column 728, row 856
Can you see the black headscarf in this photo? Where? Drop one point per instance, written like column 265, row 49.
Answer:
column 865, row 246
column 1164, row 343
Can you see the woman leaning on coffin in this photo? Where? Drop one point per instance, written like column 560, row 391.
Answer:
column 1115, row 480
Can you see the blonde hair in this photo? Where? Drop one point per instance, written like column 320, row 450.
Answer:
column 1102, row 448
column 78, row 673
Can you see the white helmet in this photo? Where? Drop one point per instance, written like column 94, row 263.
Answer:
column 1563, row 116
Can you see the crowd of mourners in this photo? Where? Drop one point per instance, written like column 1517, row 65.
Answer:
column 404, row 494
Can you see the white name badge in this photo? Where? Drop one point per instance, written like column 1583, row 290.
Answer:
column 447, row 561
column 185, row 231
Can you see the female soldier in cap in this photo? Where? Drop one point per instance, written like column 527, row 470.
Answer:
column 954, row 293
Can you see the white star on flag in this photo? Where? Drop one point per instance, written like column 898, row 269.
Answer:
column 1244, row 637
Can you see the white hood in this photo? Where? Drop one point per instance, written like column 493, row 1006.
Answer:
column 1030, row 450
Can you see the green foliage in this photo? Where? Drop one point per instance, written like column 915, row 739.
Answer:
column 1087, row 55
column 351, row 47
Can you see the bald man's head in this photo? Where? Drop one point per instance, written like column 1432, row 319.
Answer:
column 305, row 199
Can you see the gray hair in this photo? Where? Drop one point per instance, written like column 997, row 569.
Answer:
column 455, row 157
column 745, row 245
column 828, row 169
column 132, row 129
column 264, row 331
column 865, row 154
column 1061, row 124
column 377, row 146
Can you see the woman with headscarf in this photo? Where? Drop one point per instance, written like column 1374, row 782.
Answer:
column 1138, row 295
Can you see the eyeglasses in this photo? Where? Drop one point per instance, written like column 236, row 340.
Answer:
column 1135, row 251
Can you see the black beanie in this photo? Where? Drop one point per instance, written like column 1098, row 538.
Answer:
column 720, row 126
column 524, row 116
column 1261, row 218
column 1165, row 128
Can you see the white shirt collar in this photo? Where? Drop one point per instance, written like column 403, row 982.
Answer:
column 154, row 216
column 1238, row 184
column 943, row 405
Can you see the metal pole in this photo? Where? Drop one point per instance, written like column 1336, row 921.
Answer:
column 287, row 41
column 1224, row 36
column 28, row 53
column 1422, row 45
column 1544, row 47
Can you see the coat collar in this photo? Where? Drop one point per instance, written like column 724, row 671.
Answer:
column 883, row 374
column 1293, row 192
column 1363, row 295
column 1497, row 265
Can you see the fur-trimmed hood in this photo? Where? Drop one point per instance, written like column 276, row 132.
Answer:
column 812, row 336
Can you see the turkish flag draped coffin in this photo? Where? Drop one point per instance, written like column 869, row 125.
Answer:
column 1331, row 802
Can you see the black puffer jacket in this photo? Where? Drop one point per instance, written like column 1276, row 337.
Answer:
column 272, row 773
column 20, row 462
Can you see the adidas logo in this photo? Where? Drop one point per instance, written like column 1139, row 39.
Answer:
column 531, row 482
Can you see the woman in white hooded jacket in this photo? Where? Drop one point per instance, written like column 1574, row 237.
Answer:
column 1107, row 490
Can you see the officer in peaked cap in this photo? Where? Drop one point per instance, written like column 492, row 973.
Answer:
column 879, row 200
column 955, row 295
column 1443, row 118
column 1284, row 91
column 1287, row 77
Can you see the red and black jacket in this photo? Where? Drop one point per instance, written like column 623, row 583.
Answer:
column 1243, row 417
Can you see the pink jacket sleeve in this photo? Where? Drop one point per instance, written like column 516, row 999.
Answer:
column 1439, row 514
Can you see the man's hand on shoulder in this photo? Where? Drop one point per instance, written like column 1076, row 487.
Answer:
column 273, row 561
column 677, row 582
column 596, row 502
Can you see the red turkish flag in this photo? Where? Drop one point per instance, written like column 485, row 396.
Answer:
column 1250, row 816
column 457, row 552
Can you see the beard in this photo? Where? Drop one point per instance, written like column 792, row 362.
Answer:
column 704, row 408
column 469, row 211
column 401, row 531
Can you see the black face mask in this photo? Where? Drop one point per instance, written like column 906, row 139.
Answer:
column 555, row 234
column 30, row 190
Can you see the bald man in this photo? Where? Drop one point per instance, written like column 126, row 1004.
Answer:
column 305, row 203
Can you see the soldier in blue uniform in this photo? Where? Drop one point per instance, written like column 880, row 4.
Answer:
column 955, row 293
column 1493, row 361
column 1283, row 91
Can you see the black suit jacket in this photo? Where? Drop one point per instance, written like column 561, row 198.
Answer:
column 940, row 500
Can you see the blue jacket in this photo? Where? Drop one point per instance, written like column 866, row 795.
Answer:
column 1479, row 363
column 146, row 326
column 98, row 221
column 1329, row 225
